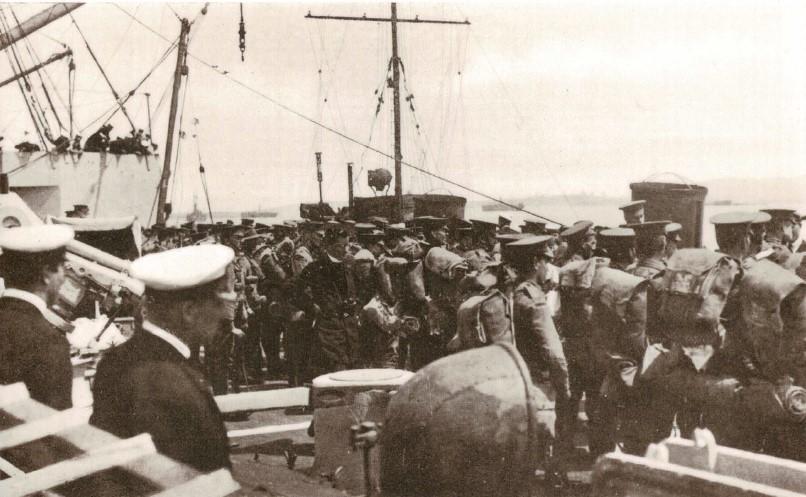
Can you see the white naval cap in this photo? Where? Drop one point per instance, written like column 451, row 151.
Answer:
column 35, row 239
column 183, row 268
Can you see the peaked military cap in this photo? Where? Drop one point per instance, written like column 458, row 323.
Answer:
column 247, row 222
column 378, row 220
column 532, row 226
column 780, row 214
column 617, row 233
column 529, row 246
column 480, row 225
column 504, row 221
column 373, row 236
column 673, row 230
column 510, row 237
column 35, row 239
column 649, row 229
column 183, row 268
column 762, row 218
column 616, row 237
column 579, row 231
column 459, row 225
column 430, row 222
column 733, row 218
column 633, row 206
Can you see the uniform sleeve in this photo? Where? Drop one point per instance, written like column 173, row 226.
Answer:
column 302, row 291
column 542, row 328
column 50, row 377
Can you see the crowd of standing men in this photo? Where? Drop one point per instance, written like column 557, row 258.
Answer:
column 652, row 336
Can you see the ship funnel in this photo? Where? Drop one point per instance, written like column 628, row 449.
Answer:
column 679, row 202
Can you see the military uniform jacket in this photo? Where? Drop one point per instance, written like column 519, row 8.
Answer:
column 648, row 268
column 534, row 327
column 324, row 283
column 146, row 385
column 34, row 351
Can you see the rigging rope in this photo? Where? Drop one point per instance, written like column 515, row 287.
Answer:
column 35, row 60
column 148, row 75
column 12, row 56
column 343, row 135
column 100, row 68
column 202, row 173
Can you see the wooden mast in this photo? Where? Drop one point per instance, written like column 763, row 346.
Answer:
column 397, row 214
column 181, row 70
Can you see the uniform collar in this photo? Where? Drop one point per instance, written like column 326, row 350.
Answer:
column 31, row 298
column 653, row 263
column 37, row 301
column 172, row 340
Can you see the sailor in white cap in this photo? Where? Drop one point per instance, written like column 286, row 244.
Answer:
column 149, row 383
column 33, row 348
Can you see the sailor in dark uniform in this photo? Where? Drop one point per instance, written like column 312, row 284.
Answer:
column 33, row 349
column 149, row 383
column 535, row 335
column 650, row 247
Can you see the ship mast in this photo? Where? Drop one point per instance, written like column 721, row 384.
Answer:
column 181, row 70
column 36, row 22
column 393, row 20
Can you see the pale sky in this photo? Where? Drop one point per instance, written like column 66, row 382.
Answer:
column 538, row 98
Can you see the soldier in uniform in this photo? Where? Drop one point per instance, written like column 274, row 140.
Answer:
column 324, row 293
column 149, row 384
column 779, row 229
column 535, row 335
column 533, row 227
column 633, row 212
column 33, row 349
column 673, row 239
column 650, row 247
column 734, row 233
column 435, row 230
column 758, row 234
column 480, row 255
column 619, row 245
column 581, row 242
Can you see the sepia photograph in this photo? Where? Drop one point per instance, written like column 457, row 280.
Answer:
column 403, row 249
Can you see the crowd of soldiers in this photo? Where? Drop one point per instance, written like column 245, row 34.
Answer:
column 654, row 337
column 596, row 312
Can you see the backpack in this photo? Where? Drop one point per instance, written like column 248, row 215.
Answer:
column 482, row 320
column 692, row 294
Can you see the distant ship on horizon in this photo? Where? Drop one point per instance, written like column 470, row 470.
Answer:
column 500, row 207
column 257, row 214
